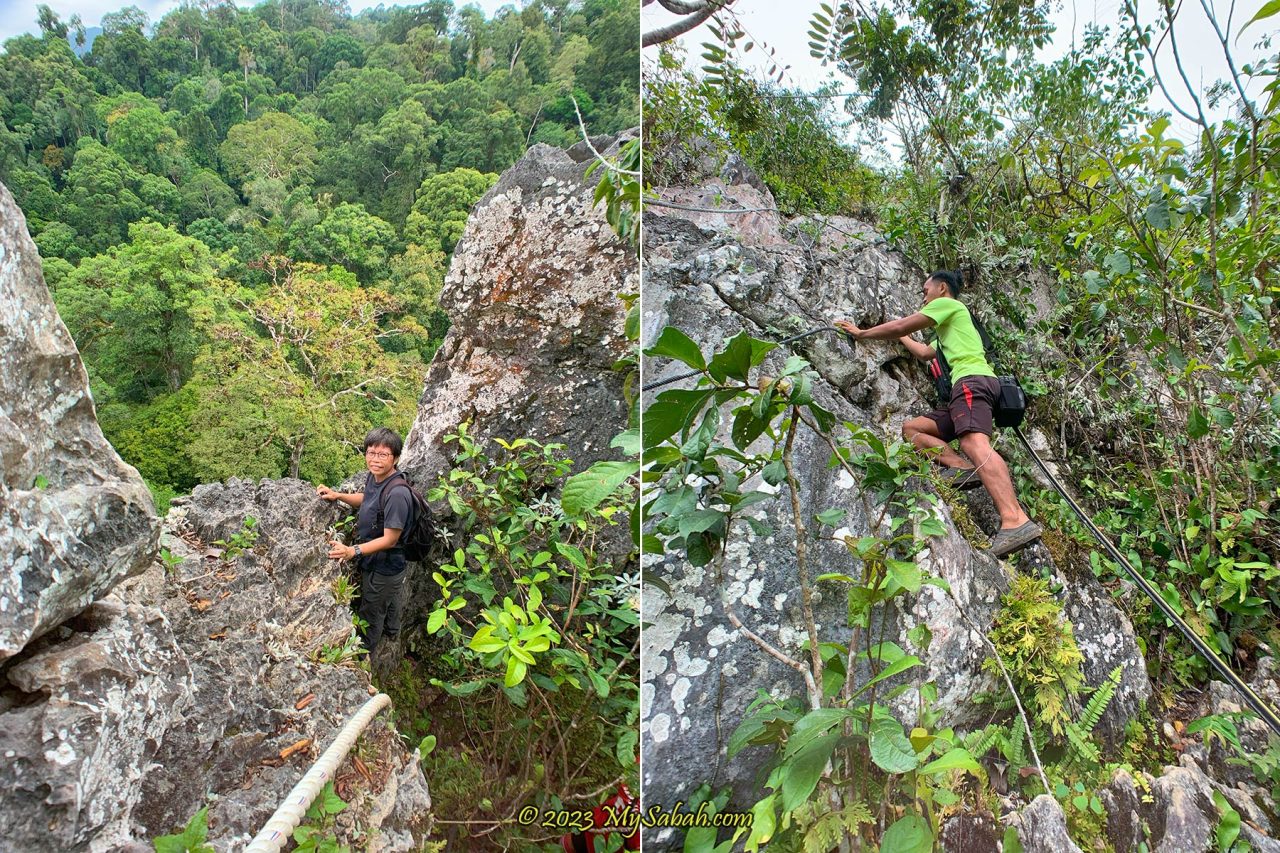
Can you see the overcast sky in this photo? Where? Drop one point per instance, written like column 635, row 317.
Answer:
column 784, row 27
column 19, row 16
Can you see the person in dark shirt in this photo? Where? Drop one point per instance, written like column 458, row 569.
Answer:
column 383, row 513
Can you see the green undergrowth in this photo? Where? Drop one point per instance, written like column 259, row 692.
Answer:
column 521, row 684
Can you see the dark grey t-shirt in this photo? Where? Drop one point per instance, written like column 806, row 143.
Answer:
column 397, row 510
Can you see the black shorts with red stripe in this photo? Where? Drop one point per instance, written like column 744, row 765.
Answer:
column 973, row 400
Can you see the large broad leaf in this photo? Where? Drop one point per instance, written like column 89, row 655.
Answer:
column 669, row 414
column 743, row 353
column 805, row 769
column 956, row 759
column 1157, row 214
column 585, row 491
column 890, row 749
column 911, row 834
column 674, row 343
column 905, row 573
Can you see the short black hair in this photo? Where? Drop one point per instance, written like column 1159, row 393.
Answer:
column 951, row 279
column 383, row 437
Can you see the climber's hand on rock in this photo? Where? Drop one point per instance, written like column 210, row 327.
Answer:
column 327, row 493
column 338, row 551
column 849, row 328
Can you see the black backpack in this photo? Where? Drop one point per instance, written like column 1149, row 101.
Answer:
column 1011, row 404
column 416, row 539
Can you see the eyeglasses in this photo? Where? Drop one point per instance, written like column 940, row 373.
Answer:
column 377, row 454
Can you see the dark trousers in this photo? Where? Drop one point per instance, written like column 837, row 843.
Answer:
column 381, row 600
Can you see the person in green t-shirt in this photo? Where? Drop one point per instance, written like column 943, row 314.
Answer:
column 968, row 415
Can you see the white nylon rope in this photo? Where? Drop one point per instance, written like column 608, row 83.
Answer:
column 280, row 827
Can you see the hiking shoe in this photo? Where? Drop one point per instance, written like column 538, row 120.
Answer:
column 1015, row 539
column 963, row 479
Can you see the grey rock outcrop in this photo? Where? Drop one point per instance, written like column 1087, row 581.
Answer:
column 536, row 319
column 181, row 686
column 74, row 518
column 1042, row 827
column 712, row 277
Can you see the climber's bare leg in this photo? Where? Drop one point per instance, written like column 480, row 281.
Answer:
column 994, row 474
column 923, row 433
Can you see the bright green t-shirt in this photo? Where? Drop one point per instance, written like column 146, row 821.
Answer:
column 961, row 342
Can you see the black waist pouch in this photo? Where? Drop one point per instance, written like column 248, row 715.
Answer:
column 1011, row 405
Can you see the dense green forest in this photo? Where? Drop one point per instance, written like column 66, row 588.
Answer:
column 246, row 215
column 1124, row 259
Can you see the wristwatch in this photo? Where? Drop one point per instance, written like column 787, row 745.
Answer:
column 357, row 554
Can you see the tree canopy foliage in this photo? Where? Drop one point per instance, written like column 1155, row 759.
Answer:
column 178, row 171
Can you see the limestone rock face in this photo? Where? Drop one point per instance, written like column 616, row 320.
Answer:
column 74, row 518
column 94, row 707
column 532, row 296
column 712, row 277
column 119, row 725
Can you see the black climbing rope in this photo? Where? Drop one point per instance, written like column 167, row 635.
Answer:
column 1254, row 701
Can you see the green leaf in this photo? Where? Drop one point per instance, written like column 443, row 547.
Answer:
column 329, row 800
column 1228, row 829
column 774, row 473
column 910, row 834
column 746, row 428
column 1012, row 843
column 763, row 823
column 674, row 343
column 955, row 759
column 585, row 491
column 1117, row 263
column 906, row 574
column 890, row 749
column 41, row 482
column 1197, row 423
column 516, row 670
column 805, row 769
column 699, row 521
column 436, row 620
column 426, row 746
column 628, row 442
column 900, row 665
column 571, row 553
column 1266, row 11
column 669, row 414
column 191, row 839
column 831, row 517
column 1157, row 214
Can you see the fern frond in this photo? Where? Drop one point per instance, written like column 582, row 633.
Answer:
column 978, row 743
column 1081, row 746
column 1098, row 702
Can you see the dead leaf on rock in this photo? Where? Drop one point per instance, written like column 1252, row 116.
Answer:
column 221, row 636
column 363, row 770
column 300, row 745
column 202, row 605
column 304, row 701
